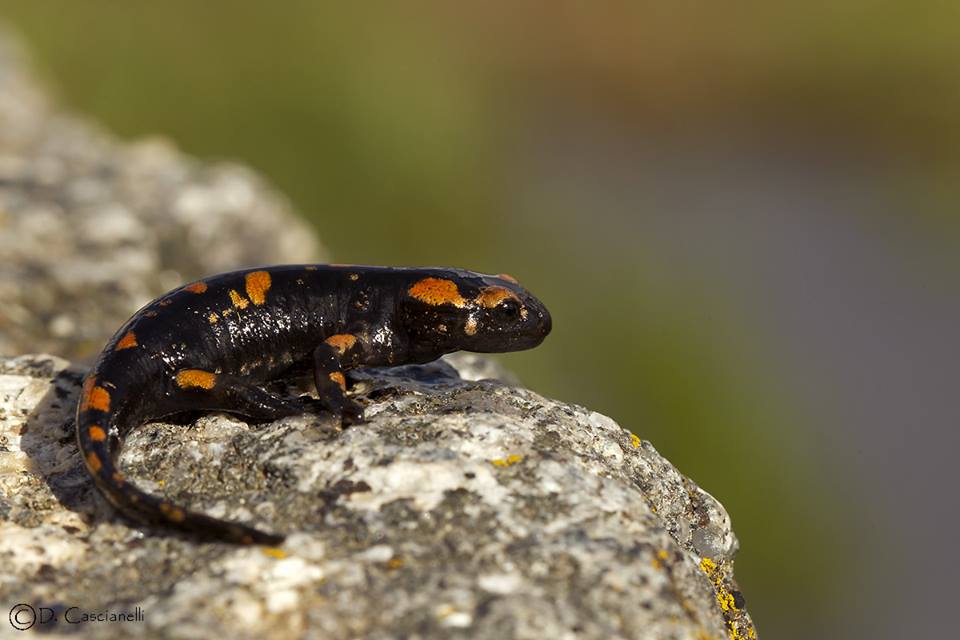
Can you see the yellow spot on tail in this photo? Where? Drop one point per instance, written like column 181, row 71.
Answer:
column 97, row 434
column 196, row 287
column 635, row 440
column 196, row 379
column 342, row 342
column 213, row 317
column 93, row 462
column 238, row 300
column 337, row 377
column 437, row 291
column 492, row 296
column 128, row 341
column 274, row 552
column 510, row 460
column 258, row 283
column 94, row 397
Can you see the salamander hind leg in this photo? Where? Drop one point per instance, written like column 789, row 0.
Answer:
column 203, row 390
column 332, row 386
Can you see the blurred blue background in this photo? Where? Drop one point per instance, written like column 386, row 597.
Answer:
column 741, row 217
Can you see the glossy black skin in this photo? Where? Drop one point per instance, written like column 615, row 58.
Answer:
column 245, row 347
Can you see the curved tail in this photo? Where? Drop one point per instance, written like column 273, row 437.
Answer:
column 96, row 428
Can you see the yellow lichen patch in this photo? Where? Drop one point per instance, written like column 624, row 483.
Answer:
column 437, row 291
column 196, row 287
column 490, row 297
column 657, row 562
column 274, row 552
column 634, row 441
column 507, row 277
column 94, row 397
column 238, row 300
column 394, row 563
column 213, row 318
column 258, row 283
column 128, row 341
column 93, row 462
column 725, row 598
column 342, row 342
column 510, row 460
column 196, row 379
column 96, row 433
column 337, row 377
column 708, row 566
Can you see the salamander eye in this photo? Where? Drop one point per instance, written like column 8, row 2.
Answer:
column 509, row 309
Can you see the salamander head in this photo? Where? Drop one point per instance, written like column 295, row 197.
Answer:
column 460, row 310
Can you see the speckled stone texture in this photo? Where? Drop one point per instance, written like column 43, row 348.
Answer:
column 466, row 506
column 91, row 229
column 461, row 509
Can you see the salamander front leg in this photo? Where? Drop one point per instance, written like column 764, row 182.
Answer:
column 331, row 385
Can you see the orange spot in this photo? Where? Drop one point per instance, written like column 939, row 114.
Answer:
column 118, row 477
column 342, row 342
column 337, row 377
column 437, row 291
column 238, row 300
column 97, row 434
column 128, row 341
column 94, row 397
column 93, row 462
column 196, row 287
column 492, row 296
column 176, row 514
column 213, row 317
column 507, row 277
column 196, row 379
column 258, row 283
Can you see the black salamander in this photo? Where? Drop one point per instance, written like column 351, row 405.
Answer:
column 211, row 345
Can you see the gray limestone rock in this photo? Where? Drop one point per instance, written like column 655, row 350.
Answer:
column 91, row 228
column 467, row 506
column 463, row 508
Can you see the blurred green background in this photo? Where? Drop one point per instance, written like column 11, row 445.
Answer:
column 570, row 144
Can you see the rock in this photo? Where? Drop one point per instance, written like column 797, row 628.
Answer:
column 467, row 506
column 92, row 228
column 462, row 508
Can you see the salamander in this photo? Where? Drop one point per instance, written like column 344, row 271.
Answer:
column 213, row 344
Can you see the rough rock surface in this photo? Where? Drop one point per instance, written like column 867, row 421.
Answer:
column 465, row 507
column 462, row 509
column 78, row 209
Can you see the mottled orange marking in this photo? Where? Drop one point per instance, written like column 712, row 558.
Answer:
column 238, row 300
column 437, row 291
column 196, row 379
column 342, row 342
column 196, row 287
column 213, row 317
column 94, row 397
column 337, row 377
column 128, row 341
column 492, row 296
column 258, row 283
column 97, row 434
column 93, row 462
column 507, row 277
